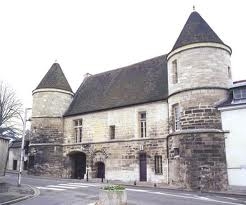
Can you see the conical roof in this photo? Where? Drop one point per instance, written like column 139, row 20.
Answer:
column 55, row 78
column 196, row 30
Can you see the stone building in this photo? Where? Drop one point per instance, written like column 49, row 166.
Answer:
column 153, row 121
column 14, row 155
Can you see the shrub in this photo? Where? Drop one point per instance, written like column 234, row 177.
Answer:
column 114, row 188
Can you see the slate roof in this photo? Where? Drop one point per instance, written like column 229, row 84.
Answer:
column 135, row 84
column 196, row 30
column 230, row 101
column 55, row 78
column 16, row 144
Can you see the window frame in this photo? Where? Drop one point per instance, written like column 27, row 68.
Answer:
column 78, row 130
column 176, row 117
column 143, row 124
column 241, row 93
column 158, row 164
column 175, row 71
column 112, row 132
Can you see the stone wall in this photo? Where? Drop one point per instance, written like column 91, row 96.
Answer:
column 121, row 158
column 126, row 121
column 200, row 164
column 200, row 67
column 48, row 160
column 50, row 102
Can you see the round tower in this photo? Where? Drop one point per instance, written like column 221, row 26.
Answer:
column 199, row 75
column 51, row 99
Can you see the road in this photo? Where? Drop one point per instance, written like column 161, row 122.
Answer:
column 75, row 192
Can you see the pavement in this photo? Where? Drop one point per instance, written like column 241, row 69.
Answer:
column 10, row 193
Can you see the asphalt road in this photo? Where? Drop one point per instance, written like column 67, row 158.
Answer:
column 75, row 192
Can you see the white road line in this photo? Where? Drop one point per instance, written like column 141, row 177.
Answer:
column 62, row 187
column 187, row 197
column 94, row 185
column 49, row 188
column 73, row 185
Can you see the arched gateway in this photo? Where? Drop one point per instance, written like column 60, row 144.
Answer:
column 78, row 164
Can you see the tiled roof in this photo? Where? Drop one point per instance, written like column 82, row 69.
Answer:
column 55, row 78
column 196, row 30
column 139, row 83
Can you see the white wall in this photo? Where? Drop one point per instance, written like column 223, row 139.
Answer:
column 235, row 122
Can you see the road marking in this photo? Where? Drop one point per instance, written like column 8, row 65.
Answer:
column 50, row 188
column 187, row 197
column 86, row 184
column 73, row 185
column 62, row 187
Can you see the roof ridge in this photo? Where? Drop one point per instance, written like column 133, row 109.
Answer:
column 126, row 67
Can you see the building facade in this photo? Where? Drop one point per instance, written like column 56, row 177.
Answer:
column 154, row 121
column 14, row 156
column 233, row 114
column 4, row 145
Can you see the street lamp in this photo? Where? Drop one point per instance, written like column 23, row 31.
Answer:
column 22, row 146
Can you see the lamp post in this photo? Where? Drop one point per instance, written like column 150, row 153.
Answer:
column 22, row 146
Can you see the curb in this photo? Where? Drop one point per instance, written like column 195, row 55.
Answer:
column 226, row 194
column 36, row 193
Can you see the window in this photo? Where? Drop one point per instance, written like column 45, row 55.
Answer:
column 176, row 114
column 229, row 71
column 112, row 131
column 175, row 71
column 239, row 93
column 158, row 164
column 142, row 124
column 78, row 130
column 176, row 152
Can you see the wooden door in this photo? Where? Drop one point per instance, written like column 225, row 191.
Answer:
column 143, row 167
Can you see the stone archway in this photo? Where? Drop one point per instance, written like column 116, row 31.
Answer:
column 78, row 164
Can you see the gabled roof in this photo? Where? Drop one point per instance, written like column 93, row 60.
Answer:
column 55, row 78
column 139, row 83
column 196, row 30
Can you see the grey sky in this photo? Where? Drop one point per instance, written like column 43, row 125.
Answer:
column 98, row 35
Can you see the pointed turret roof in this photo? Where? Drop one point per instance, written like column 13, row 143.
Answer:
column 196, row 30
column 55, row 78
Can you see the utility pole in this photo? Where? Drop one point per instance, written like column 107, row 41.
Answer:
column 22, row 147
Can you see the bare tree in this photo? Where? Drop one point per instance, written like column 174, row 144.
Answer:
column 10, row 112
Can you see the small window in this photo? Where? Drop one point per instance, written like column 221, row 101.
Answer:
column 78, row 130
column 142, row 116
column 175, row 71
column 229, row 71
column 176, row 152
column 158, row 164
column 112, row 132
column 176, row 115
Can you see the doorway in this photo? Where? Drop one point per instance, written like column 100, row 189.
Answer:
column 143, row 167
column 100, row 170
column 78, row 163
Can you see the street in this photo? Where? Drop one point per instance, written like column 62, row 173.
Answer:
column 75, row 192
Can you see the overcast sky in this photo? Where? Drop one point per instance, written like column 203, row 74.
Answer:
column 95, row 36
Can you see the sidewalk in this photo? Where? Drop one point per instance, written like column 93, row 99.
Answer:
column 11, row 193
